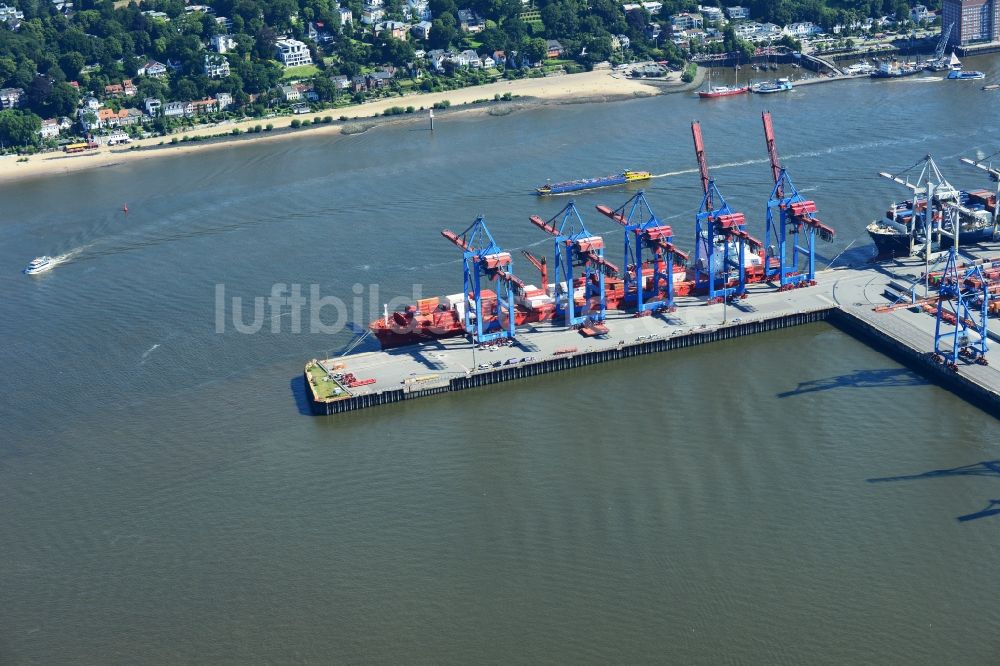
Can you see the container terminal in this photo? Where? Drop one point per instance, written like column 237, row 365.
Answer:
column 929, row 312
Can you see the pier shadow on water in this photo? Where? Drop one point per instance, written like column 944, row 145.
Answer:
column 984, row 468
column 887, row 377
column 297, row 385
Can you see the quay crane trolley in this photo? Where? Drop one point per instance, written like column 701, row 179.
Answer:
column 483, row 258
column 576, row 247
column 788, row 215
column 717, row 228
column 646, row 236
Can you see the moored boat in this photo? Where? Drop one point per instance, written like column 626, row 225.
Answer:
column 892, row 69
column 778, row 85
column 723, row 91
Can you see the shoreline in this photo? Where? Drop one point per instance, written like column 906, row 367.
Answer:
column 583, row 88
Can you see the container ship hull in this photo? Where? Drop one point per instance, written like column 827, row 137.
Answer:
column 626, row 176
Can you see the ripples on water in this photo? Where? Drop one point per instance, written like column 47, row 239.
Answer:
column 166, row 501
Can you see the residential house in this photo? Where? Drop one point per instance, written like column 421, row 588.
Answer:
column 372, row 15
column 290, row 93
column 711, row 13
column 359, row 84
column 345, row 15
column 216, row 66
column 553, row 49
column 203, row 9
column 153, row 69
column 920, row 13
column 201, row 107
column 470, row 22
column 316, row 31
column 422, row 30
column 9, row 14
column 738, row 13
column 488, row 62
column 686, row 21
column 174, row 109
column 116, row 137
column 153, row 106
column 802, row 29
column 222, row 43
column 11, row 97
column 653, row 7
column 114, row 90
column 379, row 80
column 223, row 100
column 419, row 9
column 395, row 29
column 226, row 24
column 92, row 103
column 341, row 82
column 50, row 128
column 292, row 52
column 159, row 16
column 469, row 58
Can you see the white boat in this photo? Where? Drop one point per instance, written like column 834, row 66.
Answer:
column 778, row 85
column 40, row 265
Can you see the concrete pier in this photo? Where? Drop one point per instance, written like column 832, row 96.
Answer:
column 844, row 296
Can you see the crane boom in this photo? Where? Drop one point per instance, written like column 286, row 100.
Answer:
column 540, row 265
column 699, row 151
column 772, row 151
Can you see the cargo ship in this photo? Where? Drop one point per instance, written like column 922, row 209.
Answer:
column 626, row 176
column 900, row 232
column 444, row 317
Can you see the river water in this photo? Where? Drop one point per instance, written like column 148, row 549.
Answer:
column 168, row 499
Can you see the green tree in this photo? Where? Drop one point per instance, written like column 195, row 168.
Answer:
column 19, row 128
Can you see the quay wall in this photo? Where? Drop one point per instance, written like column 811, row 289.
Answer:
column 569, row 361
column 919, row 360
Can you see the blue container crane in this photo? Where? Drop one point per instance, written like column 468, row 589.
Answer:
column 717, row 229
column 648, row 242
column 789, row 214
column 483, row 258
column 576, row 247
column 958, row 293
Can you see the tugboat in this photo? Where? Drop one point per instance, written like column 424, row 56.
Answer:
column 39, row 265
column 778, row 85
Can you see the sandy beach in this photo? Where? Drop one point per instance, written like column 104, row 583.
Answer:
column 596, row 86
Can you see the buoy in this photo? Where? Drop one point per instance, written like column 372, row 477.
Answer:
column 125, row 209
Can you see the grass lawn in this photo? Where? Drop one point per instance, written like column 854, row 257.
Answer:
column 300, row 72
column 324, row 387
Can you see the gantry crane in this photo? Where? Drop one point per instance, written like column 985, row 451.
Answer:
column 576, row 247
column 956, row 319
column 482, row 257
column 648, row 244
column 717, row 229
column 789, row 214
column 929, row 184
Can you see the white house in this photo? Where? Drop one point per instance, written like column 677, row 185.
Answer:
column 345, row 15
column 653, row 7
column 738, row 13
column 50, row 128
column 216, row 66
column 803, row 29
column 174, row 109
column 222, row 43
column 153, row 69
column 10, row 14
column 686, row 21
column 710, row 13
column 152, row 105
column 224, row 100
column 292, row 52
column 419, row 9
column 372, row 15
column 11, row 97
column 920, row 13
